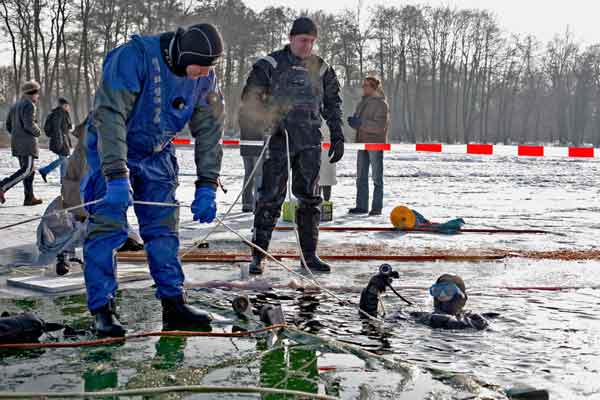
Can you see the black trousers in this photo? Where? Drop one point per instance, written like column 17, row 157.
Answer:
column 305, row 165
column 25, row 174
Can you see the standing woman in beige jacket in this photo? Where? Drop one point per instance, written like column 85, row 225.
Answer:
column 371, row 122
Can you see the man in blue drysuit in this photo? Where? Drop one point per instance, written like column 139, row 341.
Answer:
column 152, row 86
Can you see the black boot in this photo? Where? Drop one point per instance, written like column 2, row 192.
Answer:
column 260, row 237
column 315, row 263
column 178, row 315
column 256, row 266
column 62, row 265
column 107, row 322
column 307, row 218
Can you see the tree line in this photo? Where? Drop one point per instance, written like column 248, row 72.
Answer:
column 450, row 75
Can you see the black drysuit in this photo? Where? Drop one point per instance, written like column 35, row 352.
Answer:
column 286, row 93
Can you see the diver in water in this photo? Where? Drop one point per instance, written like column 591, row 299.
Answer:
column 449, row 299
column 369, row 297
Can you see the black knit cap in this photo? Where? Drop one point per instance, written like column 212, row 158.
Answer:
column 62, row 101
column 199, row 45
column 304, row 26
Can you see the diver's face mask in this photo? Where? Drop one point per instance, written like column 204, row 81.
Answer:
column 448, row 297
column 445, row 291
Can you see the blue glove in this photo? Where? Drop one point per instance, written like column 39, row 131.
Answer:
column 354, row 121
column 204, row 207
column 118, row 193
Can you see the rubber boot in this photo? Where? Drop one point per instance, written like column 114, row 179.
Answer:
column 256, row 266
column 261, row 238
column 314, row 263
column 107, row 322
column 178, row 315
column 307, row 218
column 62, row 265
column 32, row 201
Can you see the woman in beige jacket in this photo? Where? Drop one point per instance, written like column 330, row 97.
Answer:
column 371, row 121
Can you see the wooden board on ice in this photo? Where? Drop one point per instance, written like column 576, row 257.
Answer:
column 58, row 284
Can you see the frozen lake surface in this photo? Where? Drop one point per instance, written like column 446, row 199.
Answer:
column 548, row 340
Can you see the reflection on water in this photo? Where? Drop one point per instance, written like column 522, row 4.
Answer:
column 96, row 380
column 292, row 368
column 542, row 339
column 169, row 352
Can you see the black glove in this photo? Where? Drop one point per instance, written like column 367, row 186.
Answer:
column 336, row 151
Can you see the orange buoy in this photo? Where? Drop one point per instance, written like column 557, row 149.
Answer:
column 403, row 218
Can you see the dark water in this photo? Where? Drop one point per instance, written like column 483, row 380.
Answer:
column 547, row 340
column 156, row 362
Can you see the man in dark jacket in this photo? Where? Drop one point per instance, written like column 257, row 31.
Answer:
column 23, row 127
column 290, row 90
column 58, row 125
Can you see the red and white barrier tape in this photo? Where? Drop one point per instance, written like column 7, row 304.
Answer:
column 474, row 148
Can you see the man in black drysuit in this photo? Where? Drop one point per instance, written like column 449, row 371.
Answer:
column 289, row 91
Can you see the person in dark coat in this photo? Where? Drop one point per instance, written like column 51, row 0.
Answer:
column 290, row 91
column 58, row 125
column 22, row 124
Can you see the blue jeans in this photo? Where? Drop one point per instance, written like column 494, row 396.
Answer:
column 375, row 160
column 61, row 162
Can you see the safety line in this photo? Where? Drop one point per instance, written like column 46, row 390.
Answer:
column 104, row 341
column 148, row 392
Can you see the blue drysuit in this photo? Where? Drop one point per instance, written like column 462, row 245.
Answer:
column 139, row 107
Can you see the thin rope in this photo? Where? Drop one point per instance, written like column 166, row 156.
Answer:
column 289, row 269
column 56, row 213
column 289, row 195
column 97, row 342
column 237, row 199
column 168, row 389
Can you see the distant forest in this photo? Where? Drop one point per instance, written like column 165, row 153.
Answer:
column 450, row 75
